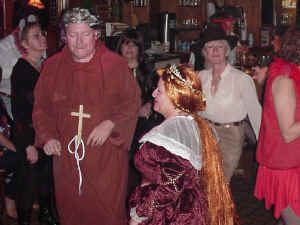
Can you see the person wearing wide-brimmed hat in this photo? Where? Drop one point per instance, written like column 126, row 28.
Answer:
column 231, row 97
column 220, row 20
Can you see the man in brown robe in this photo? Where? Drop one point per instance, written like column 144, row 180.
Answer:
column 86, row 73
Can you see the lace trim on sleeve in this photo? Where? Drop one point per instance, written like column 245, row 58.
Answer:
column 134, row 216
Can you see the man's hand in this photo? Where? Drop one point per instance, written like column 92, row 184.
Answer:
column 32, row 154
column 100, row 133
column 52, row 147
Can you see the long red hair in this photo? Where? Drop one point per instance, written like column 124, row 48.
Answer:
column 186, row 94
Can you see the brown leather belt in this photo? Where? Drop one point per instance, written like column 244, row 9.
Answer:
column 227, row 125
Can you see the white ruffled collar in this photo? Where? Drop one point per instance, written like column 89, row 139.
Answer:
column 180, row 136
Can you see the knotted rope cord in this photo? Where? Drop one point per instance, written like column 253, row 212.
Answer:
column 77, row 157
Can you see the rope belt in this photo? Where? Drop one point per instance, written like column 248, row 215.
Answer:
column 78, row 158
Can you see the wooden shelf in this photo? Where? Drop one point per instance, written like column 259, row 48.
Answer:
column 187, row 28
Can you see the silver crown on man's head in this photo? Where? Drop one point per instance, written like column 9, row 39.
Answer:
column 81, row 15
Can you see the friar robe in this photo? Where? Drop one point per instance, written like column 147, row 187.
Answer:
column 107, row 90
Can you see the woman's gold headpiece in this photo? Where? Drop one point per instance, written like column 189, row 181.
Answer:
column 175, row 73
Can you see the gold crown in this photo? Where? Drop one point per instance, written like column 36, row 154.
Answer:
column 175, row 72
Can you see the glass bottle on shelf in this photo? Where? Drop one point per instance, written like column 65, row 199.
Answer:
column 283, row 3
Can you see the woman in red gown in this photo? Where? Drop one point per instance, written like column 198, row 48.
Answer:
column 182, row 177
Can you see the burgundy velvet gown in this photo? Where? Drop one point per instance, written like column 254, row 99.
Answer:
column 161, row 200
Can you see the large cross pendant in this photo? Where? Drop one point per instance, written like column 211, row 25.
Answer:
column 81, row 115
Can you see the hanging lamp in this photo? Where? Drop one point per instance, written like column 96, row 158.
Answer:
column 36, row 3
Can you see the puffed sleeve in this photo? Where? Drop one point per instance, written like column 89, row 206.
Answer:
column 169, row 188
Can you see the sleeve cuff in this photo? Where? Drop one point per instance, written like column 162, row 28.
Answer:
column 134, row 216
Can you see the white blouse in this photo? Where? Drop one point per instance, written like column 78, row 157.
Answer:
column 234, row 99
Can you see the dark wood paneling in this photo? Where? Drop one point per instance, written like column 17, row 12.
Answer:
column 75, row 3
column 7, row 22
column 252, row 9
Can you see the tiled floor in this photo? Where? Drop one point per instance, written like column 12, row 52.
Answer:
column 250, row 210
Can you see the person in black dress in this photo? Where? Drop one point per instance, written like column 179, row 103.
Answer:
column 34, row 176
column 131, row 47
